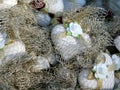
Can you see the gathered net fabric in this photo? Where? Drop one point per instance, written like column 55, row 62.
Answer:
column 92, row 20
column 20, row 25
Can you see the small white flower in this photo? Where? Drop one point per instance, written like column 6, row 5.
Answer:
column 101, row 71
column 75, row 29
column 2, row 40
column 116, row 60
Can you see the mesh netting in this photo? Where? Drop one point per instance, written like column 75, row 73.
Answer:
column 36, row 41
column 91, row 20
column 21, row 25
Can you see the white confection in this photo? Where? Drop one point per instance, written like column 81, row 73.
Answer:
column 54, row 6
column 41, row 63
column 117, row 42
column 43, row 19
column 107, row 82
column 84, row 82
column 101, row 71
column 14, row 49
column 68, row 46
column 75, row 29
column 51, row 59
column 58, row 29
column 7, row 4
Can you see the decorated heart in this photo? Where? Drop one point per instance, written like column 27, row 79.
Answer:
column 67, row 42
column 14, row 48
column 102, row 76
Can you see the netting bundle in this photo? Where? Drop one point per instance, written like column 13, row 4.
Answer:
column 36, row 41
column 16, row 74
column 94, row 35
column 35, row 58
column 23, row 33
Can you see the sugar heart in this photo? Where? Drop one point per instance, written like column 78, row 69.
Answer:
column 13, row 49
column 43, row 62
column 107, row 83
column 67, row 46
column 40, row 64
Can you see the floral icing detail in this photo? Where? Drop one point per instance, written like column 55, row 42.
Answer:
column 2, row 40
column 75, row 29
column 116, row 61
column 101, row 71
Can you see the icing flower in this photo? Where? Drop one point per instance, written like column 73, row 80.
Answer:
column 116, row 61
column 101, row 71
column 75, row 29
column 2, row 40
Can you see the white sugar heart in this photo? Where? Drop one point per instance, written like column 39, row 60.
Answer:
column 67, row 46
column 14, row 49
column 107, row 82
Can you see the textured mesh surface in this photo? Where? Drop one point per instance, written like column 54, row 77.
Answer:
column 36, row 41
column 17, row 17
column 92, row 20
column 3, row 19
column 15, row 74
column 21, row 25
